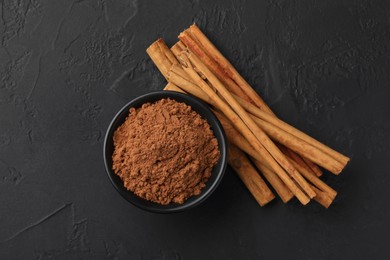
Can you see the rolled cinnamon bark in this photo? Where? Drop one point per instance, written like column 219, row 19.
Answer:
column 315, row 180
column 243, row 128
column 281, row 135
column 317, row 171
column 249, row 176
column 280, row 188
column 172, row 87
column 161, row 56
column 322, row 197
column 260, row 136
column 179, row 47
column 341, row 159
column 198, row 42
column 214, row 54
column 302, row 148
column 284, row 193
column 238, row 140
column 196, row 48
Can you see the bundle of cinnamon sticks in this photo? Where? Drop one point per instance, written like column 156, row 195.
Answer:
column 287, row 158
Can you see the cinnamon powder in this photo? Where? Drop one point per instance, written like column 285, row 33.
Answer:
column 164, row 152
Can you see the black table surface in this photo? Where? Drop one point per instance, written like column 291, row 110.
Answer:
column 68, row 66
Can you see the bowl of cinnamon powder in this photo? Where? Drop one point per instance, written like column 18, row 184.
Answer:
column 165, row 152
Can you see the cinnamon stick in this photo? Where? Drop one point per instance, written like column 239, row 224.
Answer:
column 196, row 46
column 261, row 138
column 161, row 56
column 313, row 167
column 186, row 38
column 249, row 176
column 172, row 87
column 342, row 159
column 238, row 140
column 299, row 146
column 179, row 47
column 219, row 62
column 280, row 188
column 285, row 137
column 229, row 70
column 322, row 197
column 315, row 180
column 233, row 117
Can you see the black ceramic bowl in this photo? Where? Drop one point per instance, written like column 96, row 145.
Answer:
column 217, row 173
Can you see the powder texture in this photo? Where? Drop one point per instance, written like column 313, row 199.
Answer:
column 164, row 152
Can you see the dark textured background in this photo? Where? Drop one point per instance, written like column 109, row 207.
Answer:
column 67, row 67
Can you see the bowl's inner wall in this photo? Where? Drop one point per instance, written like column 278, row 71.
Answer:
column 197, row 106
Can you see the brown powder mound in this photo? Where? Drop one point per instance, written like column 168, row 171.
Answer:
column 164, row 152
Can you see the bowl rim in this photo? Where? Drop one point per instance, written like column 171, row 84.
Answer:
column 222, row 143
